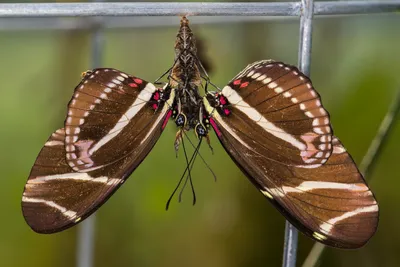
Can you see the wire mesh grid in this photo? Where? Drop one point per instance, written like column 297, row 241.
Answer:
column 305, row 9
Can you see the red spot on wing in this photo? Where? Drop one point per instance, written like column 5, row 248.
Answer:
column 138, row 81
column 222, row 100
column 156, row 96
column 133, row 85
column 236, row 82
column 244, row 84
column 227, row 112
column 155, row 106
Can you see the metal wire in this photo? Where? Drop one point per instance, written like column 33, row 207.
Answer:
column 123, row 22
column 367, row 164
column 378, row 143
column 148, row 9
column 353, row 7
column 174, row 8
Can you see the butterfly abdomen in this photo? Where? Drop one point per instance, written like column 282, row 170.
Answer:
column 185, row 71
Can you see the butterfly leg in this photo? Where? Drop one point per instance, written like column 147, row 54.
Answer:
column 178, row 140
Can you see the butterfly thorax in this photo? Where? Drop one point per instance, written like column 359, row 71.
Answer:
column 189, row 105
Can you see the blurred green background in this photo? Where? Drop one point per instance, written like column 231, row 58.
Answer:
column 355, row 67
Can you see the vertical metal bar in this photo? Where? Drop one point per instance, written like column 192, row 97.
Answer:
column 85, row 246
column 86, row 230
column 366, row 166
column 305, row 41
column 290, row 246
column 305, row 37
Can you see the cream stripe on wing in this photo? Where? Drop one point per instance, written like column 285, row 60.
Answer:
column 67, row 213
column 72, row 176
column 143, row 97
column 265, row 61
column 54, row 143
column 218, row 118
column 313, row 185
column 328, row 226
column 234, row 98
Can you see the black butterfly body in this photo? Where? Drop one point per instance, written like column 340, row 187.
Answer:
column 185, row 77
column 269, row 119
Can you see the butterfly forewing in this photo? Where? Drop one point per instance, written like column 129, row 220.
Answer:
column 101, row 109
column 283, row 111
column 57, row 196
column 319, row 189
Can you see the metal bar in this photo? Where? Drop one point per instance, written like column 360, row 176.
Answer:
column 304, row 60
column 86, row 230
column 174, row 8
column 85, row 242
column 360, row 7
column 148, row 9
column 305, row 41
column 290, row 245
column 366, row 166
column 123, row 22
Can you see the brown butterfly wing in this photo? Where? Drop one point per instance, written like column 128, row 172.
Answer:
column 318, row 189
column 57, row 196
column 106, row 115
column 277, row 105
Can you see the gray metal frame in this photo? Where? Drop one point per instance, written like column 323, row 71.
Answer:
column 305, row 9
column 198, row 9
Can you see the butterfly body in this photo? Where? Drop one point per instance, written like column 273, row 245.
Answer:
column 185, row 78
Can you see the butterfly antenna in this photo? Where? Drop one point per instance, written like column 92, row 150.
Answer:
column 173, row 193
column 191, row 184
column 204, row 161
column 183, row 187
column 183, row 175
column 189, row 176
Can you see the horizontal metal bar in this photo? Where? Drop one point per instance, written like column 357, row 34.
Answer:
column 360, row 7
column 126, row 22
column 207, row 9
column 148, row 9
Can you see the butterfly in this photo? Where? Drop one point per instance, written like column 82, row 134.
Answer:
column 269, row 119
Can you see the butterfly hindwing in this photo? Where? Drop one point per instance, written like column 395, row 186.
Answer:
column 56, row 197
